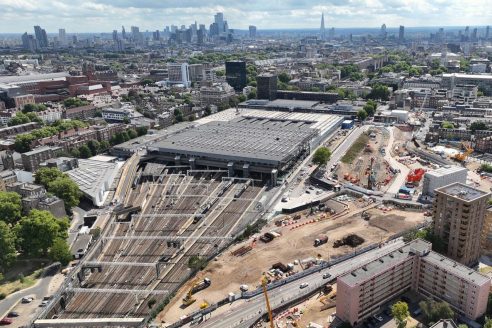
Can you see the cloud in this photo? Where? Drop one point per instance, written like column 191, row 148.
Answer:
column 106, row 15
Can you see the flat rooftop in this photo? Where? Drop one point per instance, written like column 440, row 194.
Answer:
column 380, row 265
column 263, row 140
column 446, row 170
column 462, row 191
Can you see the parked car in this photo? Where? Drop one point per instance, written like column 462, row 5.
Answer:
column 326, row 276
column 378, row 317
column 27, row 299
column 5, row 321
column 12, row 314
column 303, row 285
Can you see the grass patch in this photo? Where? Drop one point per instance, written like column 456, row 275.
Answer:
column 356, row 148
column 12, row 286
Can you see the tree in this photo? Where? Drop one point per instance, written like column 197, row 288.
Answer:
column 435, row 311
column 284, row 77
column 67, row 190
column 94, row 146
column 10, row 207
column 7, row 246
column 361, row 115
column 447, row 125
column 85, row 151
column 379, row 91
column 132, row 134
column 45, row 175
column 178, row 115
column 197, row 263
column 19, row 118
column 37, row 232
column 252, row 94
column 60, row 252
column 23, row 142
column 399, row 311
column 141, row 131
column 146, row 82
column 74, row 102
column 33, row 108
column 104, row 145
column 478, row 126
column 488, row 323
column 369, row 109
column 241, row 98
column 321, row 156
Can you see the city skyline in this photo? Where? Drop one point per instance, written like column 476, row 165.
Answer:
column 105, row 15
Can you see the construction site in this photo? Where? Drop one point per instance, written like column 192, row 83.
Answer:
column 157, row 237
column 291, row 244
column 364, row 164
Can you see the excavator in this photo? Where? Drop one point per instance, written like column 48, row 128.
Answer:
column 189, row 299
column 461, row 157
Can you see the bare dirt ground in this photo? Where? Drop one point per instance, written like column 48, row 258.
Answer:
column 358, row 169
column 228, row 272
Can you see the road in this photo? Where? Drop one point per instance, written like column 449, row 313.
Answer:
column 399, row 179
column 246, row 313
column 39, row 290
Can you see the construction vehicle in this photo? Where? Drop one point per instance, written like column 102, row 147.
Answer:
column 189, row 299
column 204, row 305
column 264, row 282
column 461, row 157
column 322, row 239
column 198, row 286
column 365, row 215
column 414, row 177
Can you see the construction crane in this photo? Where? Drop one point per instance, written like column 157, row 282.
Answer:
column 264, row 282
column 461, row 157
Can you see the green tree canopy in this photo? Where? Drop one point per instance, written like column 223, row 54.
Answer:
column 94, row 146
column 447, row 125
column 7, row 246
column 284, row 77
column 478, row 126
column 379, row 91
column 10, row 207
column 488, row 323
column 361, row 115
column 60, row 251
column 37, row 232
column 74, row 102
column 45, row 175
column 19, row 118
column 435, row 311
column 85, row 151
column 252, row 94
column 321, row 156
column 67, row 190
column 33, row 108
column 399, row 311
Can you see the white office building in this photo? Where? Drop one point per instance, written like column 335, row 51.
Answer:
column 179, row 74
column 442, row 177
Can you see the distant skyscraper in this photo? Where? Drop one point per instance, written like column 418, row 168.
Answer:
column 487, row 32
column 115, row 35
column 322, row 30
column 474, row 36
column 29, row 42
column 383, row 32
column 266, row 86
column 156, row 36
column 62, row 36
column 41, row 36
column 252, row 32
column 123, row 32
column 332, row 33
column 401, row 33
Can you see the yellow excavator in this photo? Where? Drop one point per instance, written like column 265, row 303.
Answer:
column 264, row 283
column 189, row 299
column 461, row 157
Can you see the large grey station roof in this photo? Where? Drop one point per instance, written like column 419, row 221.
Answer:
column 242, row 139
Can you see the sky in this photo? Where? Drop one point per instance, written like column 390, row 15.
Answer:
column 106, row 15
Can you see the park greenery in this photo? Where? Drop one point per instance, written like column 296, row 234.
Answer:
column 379, row 92
column 321, row 156
column 447, row 125
column 75, row 102
column 355, row 149
column 23, row 118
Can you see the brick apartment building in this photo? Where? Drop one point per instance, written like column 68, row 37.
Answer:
column 459, row 215
column 364, row 291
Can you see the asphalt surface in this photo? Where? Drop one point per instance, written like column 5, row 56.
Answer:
column 249, row 311
column 345, row 145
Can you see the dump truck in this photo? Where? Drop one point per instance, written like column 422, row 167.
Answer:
column 322, row 239
column 201, row 285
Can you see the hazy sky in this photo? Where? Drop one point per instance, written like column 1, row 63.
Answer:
column 106, row 15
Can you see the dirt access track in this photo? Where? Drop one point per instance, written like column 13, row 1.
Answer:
column 227, row 272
